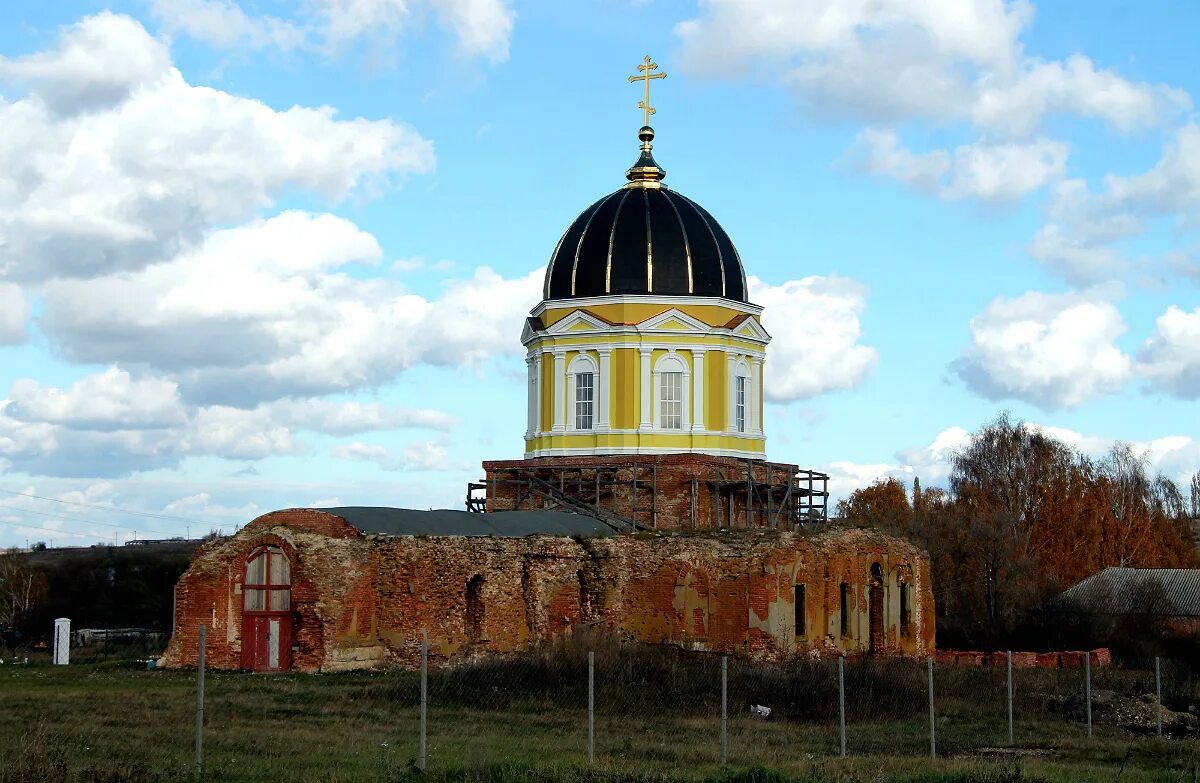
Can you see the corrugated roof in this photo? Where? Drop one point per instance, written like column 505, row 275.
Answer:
column 1162, row 591
column 385, row 521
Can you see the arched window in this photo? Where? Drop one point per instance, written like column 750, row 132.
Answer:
column 904, row 611
column 268, row 584
column 582, row 387
column 671, row 386
column 844, row 602
column 741, row 396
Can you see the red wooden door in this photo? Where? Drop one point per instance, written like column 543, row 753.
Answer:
column 266, row 612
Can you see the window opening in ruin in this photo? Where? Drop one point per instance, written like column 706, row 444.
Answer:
column 268, row 583
column 740, row 405
column 845, row 608
column 903, row 608
column 473, row 621
column 799, row 608
column 584, row 395
column 875, row 609
column 671, row 401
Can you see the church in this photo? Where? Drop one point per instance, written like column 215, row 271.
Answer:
column 644, row 507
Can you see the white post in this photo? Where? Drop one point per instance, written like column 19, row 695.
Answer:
column 698, row 390
column 62, row 641
column 531, row 367
column 591, row 746
column 1010, row 699
column 842, row 700
column 1158, row 692
column 424, row 698
column 932, row 720
column 754, row 397
column 1087, row 673
column 200, row 705
column 724, row 709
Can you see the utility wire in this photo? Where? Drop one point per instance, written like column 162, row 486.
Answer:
column 80, row 519
column 105, row 508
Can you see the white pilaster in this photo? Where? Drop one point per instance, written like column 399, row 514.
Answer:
column 731, row 392
column 602, row 386
column 698, row 391
column 644, row 423
column 560, row 398
column 754, row 404
column 532, row 390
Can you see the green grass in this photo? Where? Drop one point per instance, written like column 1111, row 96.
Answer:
column 524, row 721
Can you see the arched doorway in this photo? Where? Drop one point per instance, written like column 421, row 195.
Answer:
column 875, row 609
column 267, row 611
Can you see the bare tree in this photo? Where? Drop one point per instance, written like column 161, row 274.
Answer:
column 21, row 588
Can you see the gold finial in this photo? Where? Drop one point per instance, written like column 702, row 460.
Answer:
column 646, row 67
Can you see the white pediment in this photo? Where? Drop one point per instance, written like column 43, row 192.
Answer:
column 752, row 329
column 674, row 320
column 578, row 321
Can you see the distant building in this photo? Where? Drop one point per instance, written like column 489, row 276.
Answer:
column 1168, row 596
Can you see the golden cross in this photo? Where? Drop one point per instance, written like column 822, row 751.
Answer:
column 646, row 67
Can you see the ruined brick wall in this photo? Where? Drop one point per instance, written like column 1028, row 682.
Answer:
column 363, row 601
column 676, row 484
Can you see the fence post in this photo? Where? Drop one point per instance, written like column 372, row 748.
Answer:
column 424, row 698
column 842, row 700
column 724, row 708
column 200, row 706
column 591, row 746
column 1087, row 673
column 932, row 722
column 1010, row 699
column 1158, row 692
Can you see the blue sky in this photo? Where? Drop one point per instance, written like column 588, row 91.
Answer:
column 263, row 254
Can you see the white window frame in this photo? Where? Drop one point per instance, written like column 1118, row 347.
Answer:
column 581, row 363
column 672, row 362
column 585, row 410
column 740, row 368
column 740, row 395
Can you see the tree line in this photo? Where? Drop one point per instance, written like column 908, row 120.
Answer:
column 1024, row 517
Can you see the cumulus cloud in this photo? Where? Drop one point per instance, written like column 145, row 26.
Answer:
column 223, row 23
column 14, row 314
column 1170, row 358
column 113, row 423
column 930, row 463
column 1051, row 350
column 996, row 173
column 481, row 28
column 423, row 455
column 97, row 64
column 151, row 167
column 265, row 311
column 815, row 328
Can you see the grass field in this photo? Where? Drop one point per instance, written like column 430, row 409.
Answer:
column 656, row 721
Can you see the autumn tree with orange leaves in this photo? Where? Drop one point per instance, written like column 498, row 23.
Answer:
column 1025, row 517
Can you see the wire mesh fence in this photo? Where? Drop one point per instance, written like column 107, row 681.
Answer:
column 584, row 705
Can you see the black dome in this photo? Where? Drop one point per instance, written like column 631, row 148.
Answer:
column 645, row 240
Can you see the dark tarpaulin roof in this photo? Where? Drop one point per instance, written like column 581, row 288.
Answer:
column 380, row 520
column 1161, row 591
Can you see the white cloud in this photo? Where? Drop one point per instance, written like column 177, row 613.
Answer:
column 996, row 173
column 110, row 400
column 264, row 311
column 14, row 314
column 815, row 328
column 1052, row 350
column 112, row 424
column 930, row 463
column 894, row 60
column 223, row 23
column 423, row 455
column 1170, row 358
column 98, row 63
column 150, row 170
column 481, row 28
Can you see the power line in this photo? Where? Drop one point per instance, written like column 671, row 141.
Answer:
column 83, row 520
column 104, row 508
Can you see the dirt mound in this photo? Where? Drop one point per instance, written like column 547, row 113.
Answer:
column 1134, row 713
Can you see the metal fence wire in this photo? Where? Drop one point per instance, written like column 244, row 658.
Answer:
column 584, row 704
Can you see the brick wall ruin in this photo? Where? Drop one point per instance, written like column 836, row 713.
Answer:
column 362, row 601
